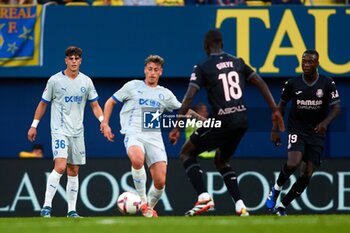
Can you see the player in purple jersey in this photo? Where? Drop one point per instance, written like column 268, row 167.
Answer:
column 224, row 77
column 311, row 95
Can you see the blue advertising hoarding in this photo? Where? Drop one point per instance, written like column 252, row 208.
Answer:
column 116, row 40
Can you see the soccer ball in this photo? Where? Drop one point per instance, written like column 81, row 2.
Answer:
column 129, row 203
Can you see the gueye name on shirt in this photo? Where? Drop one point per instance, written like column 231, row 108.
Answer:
column 226, row 64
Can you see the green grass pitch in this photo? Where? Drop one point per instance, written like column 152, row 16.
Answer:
column 202, row 224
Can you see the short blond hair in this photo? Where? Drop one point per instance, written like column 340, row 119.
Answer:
column 155, row 59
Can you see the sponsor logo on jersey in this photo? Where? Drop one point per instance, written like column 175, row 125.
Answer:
column 319, row 93
column 161, row 96
column 73, row 99
column 193, row 77
column 149, row 103
column 230, row 110
column 298, row 92
column 309, row 104
column 335, row 94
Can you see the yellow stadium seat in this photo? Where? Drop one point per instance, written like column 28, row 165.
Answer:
column 170, row 2
column 322, row 3
column 76, row 4
column 257, row 3
column 113, row 3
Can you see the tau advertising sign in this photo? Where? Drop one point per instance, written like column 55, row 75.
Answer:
column 266, row 37
column 270, row 39
column 102, row 180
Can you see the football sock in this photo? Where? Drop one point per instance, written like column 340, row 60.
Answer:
column 281, row 206
column 72, row 192
column 277, row 187
column 239, row 206
column 154, row 195
column 195, row 175
column 230, row 180
column 140, row 178
column 297, row 189
column 284, row 175
column 51, row 187
column 204, row 197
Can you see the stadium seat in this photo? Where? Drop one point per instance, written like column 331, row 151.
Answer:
column 113, row 3
column 170, row 2
column 321, row 3
column 257, row 3
column 76, row 4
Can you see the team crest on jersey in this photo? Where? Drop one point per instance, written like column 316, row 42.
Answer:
column 319, row 93
column 193, row 77
column 83, row 89
column 161, row 96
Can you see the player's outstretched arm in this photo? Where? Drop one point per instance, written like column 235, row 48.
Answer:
column 265, row 92
column 174, row 135
column 39, row 112
column 97, row 110
column 275, row 134
column 107, row 112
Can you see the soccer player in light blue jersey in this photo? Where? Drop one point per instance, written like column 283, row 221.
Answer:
column 143, row 103
column 68, row 91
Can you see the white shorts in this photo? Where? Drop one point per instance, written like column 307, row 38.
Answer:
column 152, row 147
column 70, row 148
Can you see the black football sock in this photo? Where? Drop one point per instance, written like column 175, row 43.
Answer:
column 297, row 189
column 195, row 175
column 230, row 180
column 284, row 175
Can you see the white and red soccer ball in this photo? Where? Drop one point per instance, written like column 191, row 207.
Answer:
column 129, row 203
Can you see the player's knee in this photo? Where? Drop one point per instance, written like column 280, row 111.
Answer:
column 184, row 156
column 292, row 165
column 137, row 164
column 60, row 168
column 220, row 164
column 187, row 151
column 159, row 183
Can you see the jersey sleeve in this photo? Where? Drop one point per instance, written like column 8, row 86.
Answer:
column 171, row 102
column 286, row 94
column 248, row 71
column 92, row 93
column 333, row 96
column 123, row 93
column 197, row 79
column 47, row 95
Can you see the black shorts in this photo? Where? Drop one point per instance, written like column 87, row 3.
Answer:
column 311, row 146
column 225, row 139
